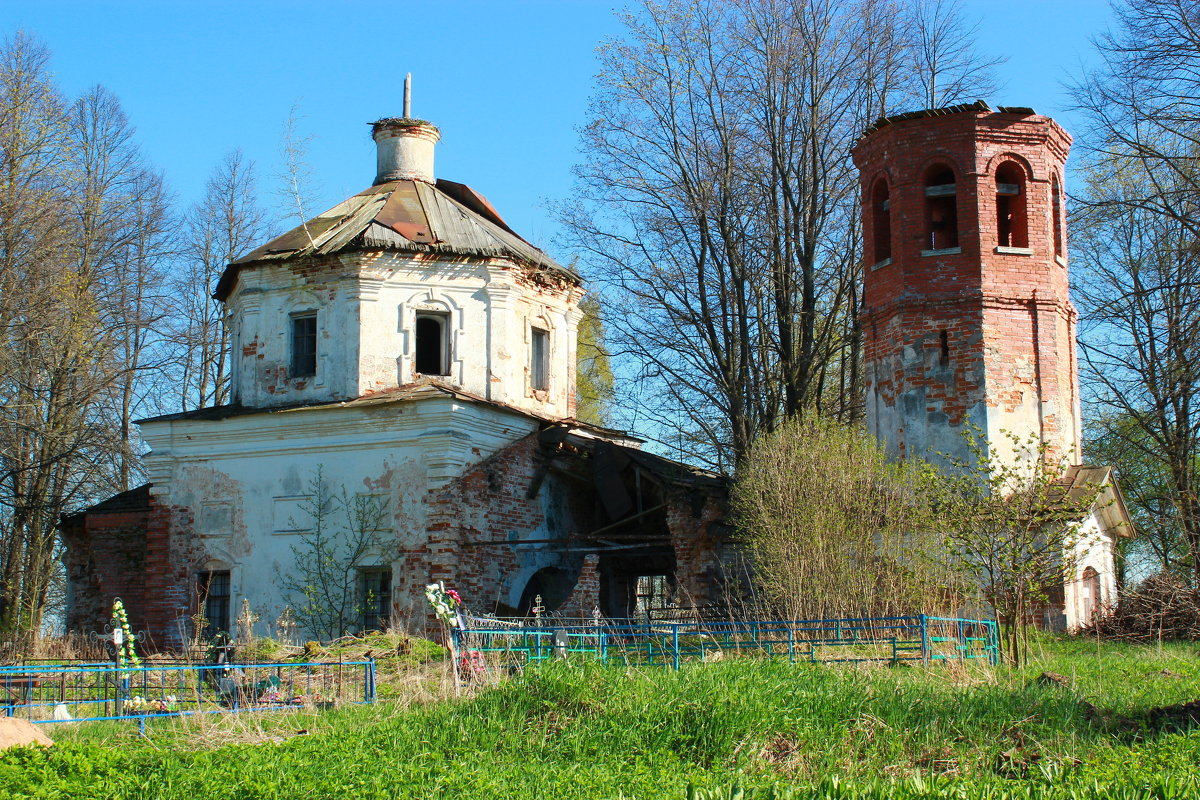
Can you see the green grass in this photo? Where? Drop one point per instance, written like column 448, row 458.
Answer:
column 762, row 729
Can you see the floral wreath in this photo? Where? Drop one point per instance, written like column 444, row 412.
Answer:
column 126, row 655
column 445, row 602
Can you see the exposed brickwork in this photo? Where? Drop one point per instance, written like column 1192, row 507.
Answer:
column 151, row 556
column 984, row 333
column 585, row 597
column 174, row 554
column 105, row 559
column 698, row 571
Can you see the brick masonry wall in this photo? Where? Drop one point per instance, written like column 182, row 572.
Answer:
column 1007, row 361
column 105, row 559
column 489, row 502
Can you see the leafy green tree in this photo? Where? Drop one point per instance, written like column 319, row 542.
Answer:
column 1009, row 528
column 1160, row 545
column 593, row 368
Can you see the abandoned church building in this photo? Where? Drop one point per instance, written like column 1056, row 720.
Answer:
column 407, row 354
column 416, row 357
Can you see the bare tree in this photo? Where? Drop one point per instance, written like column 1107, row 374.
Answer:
column 221, row 227
column 717, row 208
column 70, row 182
column 1138, row 285
column 1142, row 103
column 1137, row 247
column 831, row 525
column 945, row 59
column 139, row 300
column 718, row 205
column 123, row 218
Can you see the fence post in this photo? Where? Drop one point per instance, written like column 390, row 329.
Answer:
column 924, row 639
column 675, row 645
column 369, row 681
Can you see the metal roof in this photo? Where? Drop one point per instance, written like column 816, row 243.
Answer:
column 405, row 216
column 1082, row 483
column 978, row 107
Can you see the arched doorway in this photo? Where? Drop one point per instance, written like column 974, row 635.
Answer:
column 1089, row 597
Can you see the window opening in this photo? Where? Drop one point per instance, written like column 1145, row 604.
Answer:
column 375, row 594
column 652, row 592
column 941, row 208
column 213, row 587
column 304, row 345
column 1056, row 192
column 881, row 225
column 944, row 360
column 1011, row 227
column 1090, row 596
column 539, row 359
column 433, row 344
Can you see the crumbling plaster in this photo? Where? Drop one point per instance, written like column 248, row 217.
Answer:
column 244, row 480
column 366, row 306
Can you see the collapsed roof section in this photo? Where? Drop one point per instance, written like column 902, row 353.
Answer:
column 408, row 216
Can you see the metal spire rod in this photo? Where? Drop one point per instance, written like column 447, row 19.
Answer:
column 408, row 96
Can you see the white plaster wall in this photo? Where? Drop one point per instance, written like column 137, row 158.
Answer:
column 1092, row 546
column 244, row 478
column 366, row 316
column 925, row 433
column 259, row 318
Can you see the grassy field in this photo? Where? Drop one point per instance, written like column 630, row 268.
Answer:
column 737, row 728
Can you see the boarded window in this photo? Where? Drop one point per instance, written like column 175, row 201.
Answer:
column 1012, row 229
column 304, row 345
column 432, row 356
column 375, row 594
column 213, row 588
column 539, row 359
column 941, row 209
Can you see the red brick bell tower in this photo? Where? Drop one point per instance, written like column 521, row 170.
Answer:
column 967, row 317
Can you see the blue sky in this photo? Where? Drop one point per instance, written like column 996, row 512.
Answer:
column 507, row 82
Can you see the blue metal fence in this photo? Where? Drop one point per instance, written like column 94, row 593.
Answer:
column 71, row 692
column 880, row 639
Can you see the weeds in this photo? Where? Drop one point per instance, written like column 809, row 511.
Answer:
column 764, row 729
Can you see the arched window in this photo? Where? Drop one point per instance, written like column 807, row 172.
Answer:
column 432, row 356
column 1056, row 209
column 881, row 222
column 941, row 208
column 1012, row 229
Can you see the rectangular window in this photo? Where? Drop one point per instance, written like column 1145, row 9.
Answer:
column 652, row 593
column 304, row 345
column 375, row 593
column 214, row 591
column 432, row 352
column 539, row 360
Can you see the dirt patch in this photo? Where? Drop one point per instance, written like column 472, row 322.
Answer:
column 1179, row 717
column 15, row 732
